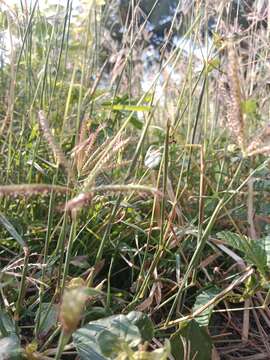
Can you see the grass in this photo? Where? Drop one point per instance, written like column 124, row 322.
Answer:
column 134, row 224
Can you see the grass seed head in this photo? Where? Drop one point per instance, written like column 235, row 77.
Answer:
column 27, row 190
column 73, row 303
column 233, row 99
column 57, row 151
column 261, row 142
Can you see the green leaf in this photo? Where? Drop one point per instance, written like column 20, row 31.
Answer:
column 11, row 230
column 266, row 242
column 249, row 106
column 148, row 98
column 92, row 292
column 212, row 64
column 94, row 340
column 7, row 323
column 10, row 348
column 261, row 185
column 143, row 323
column 253, row 250
column 136, row 123
column 124, row 107
column 232, row 239
column 202, row 299
column 3, row 20
column 96, row 312
column 42, row 27
column 198, row 340
column 85, row 340
column 110, row 344
column 9, row 342
column 120, row 331
column 48, row 318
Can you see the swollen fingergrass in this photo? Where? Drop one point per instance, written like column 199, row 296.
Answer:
column 53, row 144
column 235, row 113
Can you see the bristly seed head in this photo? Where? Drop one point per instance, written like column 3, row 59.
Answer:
column 57, row 151
column 234, row 99
column 31, row 190
column 72, row 307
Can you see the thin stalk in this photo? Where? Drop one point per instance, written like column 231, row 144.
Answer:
column 63, row 340
column 26, row 33
column 67, row 16
column 45, row 255
column 46, row 65
column 50, row 339
column 4, row 332
column 83, row 75
column 165, row 177
column 22, row 284
column 72, row 236
column 198, row 114
column 109, row 295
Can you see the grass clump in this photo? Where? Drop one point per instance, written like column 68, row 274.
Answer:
column 134, row 187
